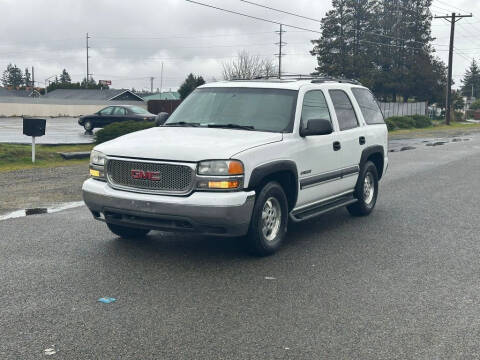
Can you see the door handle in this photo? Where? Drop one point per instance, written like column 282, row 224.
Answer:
column 361, row 140
column 337, row 146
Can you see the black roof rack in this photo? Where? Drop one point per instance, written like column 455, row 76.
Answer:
column 315, row 79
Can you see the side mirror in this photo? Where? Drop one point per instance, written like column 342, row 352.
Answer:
column 316, row 127
column 161, row 118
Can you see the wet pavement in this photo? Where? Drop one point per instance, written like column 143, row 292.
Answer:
column 59, row 130
column 395, row 145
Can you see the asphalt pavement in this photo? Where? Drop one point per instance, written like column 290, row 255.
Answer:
column 59, row 130
column 402, row 283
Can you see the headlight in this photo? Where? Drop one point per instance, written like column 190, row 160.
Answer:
column 97, row 165
column 220, row 175
column 97, row 158
column 220, row 168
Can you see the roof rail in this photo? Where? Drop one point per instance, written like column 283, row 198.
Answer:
column 315, row 79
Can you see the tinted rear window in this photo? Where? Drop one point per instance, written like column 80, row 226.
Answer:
column 370, row 109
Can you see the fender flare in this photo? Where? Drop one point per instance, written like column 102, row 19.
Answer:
column 265, row 170
column 367, row 152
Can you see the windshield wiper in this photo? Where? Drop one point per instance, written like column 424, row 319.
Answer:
column 232, row 126
column 183, row 123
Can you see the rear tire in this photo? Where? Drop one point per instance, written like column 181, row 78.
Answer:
column 268, row 225
column 366, row 191
column 88, row 126
column 127, row 232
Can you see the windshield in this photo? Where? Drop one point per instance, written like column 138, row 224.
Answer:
column 138, row 110
column 244, row 108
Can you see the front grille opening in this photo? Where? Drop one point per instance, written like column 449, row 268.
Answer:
column 167, row 177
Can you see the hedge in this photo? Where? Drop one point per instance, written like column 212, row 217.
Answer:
column 115, row 130
column 408, row 122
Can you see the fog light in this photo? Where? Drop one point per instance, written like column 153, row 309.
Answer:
column 94, row 173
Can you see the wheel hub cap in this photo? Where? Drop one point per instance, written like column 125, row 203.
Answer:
column 271, row 218
column 368, row 188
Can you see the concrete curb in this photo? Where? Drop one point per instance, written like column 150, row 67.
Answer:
column 75, row 155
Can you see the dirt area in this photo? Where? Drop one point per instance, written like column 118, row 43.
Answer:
column 41, row 187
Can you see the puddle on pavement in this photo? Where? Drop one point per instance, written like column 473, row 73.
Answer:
column 36, row 211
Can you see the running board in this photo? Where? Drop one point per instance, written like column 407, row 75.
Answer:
column 322, row 208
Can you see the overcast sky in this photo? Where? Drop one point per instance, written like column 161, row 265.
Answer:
column 130, row 39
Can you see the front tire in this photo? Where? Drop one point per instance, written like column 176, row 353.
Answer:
column 366, row 191
column 269, row 220
column 127, row 232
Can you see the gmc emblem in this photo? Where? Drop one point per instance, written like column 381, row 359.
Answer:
column 145, row 175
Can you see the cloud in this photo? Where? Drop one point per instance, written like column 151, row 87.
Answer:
column 129, row 40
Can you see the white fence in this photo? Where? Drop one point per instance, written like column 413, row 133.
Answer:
column 403, row 109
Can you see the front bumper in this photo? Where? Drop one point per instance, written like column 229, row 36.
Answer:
column 212, row 213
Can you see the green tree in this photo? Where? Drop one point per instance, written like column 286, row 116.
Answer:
column 12, row 76
column 386, row 44
column 27, row 78
column 65, row 77
column 190, row 84
column 471, row 81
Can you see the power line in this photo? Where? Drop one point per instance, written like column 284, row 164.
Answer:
column 280, row 11
column 319, row 21
column 254, row 17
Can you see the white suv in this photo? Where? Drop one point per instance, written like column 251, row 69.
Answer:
column 242, row 158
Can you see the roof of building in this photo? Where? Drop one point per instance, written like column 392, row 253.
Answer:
column 93, row 94
column 16, row 93
column 169, row 95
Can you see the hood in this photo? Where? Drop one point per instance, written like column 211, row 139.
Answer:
column 186, row 144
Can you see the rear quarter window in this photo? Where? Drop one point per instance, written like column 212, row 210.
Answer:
column 368, row 105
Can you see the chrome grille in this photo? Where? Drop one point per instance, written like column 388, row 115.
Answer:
column 174, row 178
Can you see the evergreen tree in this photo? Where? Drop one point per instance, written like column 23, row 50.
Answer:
column 12, row 77
column 65, row 77
column 386, row 44
column 190, row 84
column 27, row 78
column 471, row 81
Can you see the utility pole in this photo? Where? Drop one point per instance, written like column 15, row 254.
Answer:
column 88, row 57
column 452, row 19
column 33, row 82
column 280, row 44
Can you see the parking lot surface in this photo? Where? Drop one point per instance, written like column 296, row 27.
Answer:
column 402, row 283
column 60, row 130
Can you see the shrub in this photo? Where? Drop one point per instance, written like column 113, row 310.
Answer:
column 408, row 122
column 475, row 105
column 390, row 124
column 422, row 121
column 402, row 122
column 115, row 130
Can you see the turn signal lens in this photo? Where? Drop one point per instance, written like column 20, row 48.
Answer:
column 235, row 168
column 223, row 184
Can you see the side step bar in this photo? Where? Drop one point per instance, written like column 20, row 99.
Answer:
column 322, row 208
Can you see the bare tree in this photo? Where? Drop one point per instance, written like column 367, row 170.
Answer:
column 247, row 66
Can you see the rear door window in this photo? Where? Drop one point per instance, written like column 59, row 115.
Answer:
column 368, row 105
column 347, row 119
column 314, row 107
column 119, row 111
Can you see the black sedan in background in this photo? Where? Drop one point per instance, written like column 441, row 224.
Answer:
column 113, row 114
